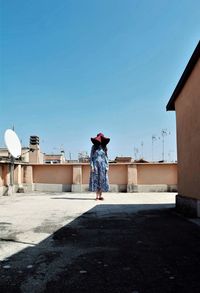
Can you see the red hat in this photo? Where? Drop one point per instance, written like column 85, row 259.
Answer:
column 100, row 139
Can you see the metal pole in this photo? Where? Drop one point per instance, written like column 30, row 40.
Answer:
column 164, row 133
column 11, row 169
column 163, row 148
column 142, row 148
column 153, row 139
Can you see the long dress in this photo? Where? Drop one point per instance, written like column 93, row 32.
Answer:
column 99, row 162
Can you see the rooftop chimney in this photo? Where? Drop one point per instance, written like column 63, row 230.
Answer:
column 34, row 140
column 35, row 156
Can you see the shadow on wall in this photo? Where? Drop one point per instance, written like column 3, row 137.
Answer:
column 112, row 248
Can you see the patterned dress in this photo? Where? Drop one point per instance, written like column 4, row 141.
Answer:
column 99, row 178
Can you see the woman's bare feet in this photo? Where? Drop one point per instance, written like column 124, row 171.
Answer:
column 98, row 195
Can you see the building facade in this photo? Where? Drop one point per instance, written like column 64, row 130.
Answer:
column 185, row 100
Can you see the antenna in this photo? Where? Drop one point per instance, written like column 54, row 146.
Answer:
column 135, row 152
column 142, row 155
column 153, row 138
column 164, row 133
column 14, row 148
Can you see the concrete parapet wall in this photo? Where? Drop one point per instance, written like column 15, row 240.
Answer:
column 52, row 187
column 157, row 174
column 123, row 177
column 151, row 188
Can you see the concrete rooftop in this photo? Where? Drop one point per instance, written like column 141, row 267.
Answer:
column 66, row 242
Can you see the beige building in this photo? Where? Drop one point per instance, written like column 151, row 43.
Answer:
column 4, row 154
column 54, row 158
column 185, row 100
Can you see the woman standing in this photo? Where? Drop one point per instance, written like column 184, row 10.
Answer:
column 99, row 166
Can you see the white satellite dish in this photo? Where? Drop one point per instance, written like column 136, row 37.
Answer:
column 13, row 143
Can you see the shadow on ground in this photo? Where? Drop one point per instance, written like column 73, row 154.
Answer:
column 151, row 250
column 74, row 198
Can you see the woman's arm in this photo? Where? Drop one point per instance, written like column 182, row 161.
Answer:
column 92, row 158
column 107, row 161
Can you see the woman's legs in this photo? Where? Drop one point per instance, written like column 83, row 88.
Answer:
column 98, row 194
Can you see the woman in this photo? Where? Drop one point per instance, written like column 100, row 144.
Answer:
column 99, row 166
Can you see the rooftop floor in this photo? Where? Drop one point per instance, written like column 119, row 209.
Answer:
column 66, row 242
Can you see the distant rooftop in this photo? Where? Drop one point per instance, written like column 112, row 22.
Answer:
column 123, row 159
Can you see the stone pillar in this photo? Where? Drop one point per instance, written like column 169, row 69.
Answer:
column 18, row 178
column 8, row 182
column 7, row 174
column 132, row 178
column 4, row 179
column 1, row 175
column 77, row 178
column 17, row 174
column 1, row 180
column 28, row 178
column 28, row 174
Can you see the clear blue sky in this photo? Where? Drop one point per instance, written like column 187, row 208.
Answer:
column 72, row 68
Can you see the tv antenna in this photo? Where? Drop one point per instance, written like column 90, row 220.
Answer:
column 136, row 151
column 153, row 139
column 142, row 153
column 164, row 133
column 13, row 145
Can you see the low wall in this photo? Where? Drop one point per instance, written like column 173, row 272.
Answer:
column 123, row 177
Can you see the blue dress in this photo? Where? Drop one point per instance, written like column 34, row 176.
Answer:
column 99, row 162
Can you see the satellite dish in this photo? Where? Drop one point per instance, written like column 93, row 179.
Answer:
column 13, row 143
